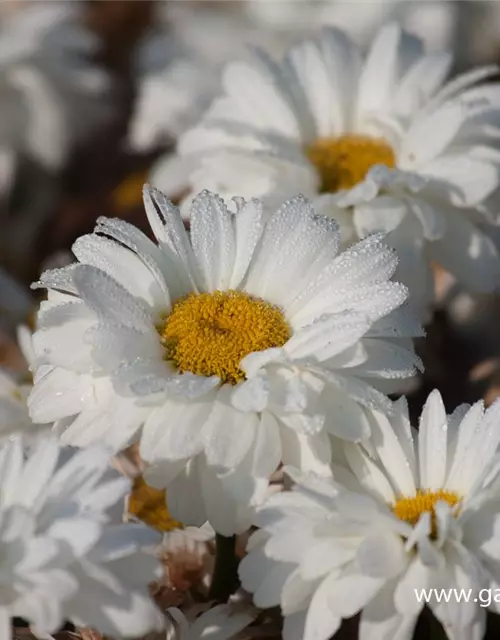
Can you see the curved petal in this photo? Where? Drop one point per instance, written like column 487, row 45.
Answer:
column 468, row 253
column 380, row 619
column 432, row 443
column 213, row 241
column 228, row 433
column 322, row 621
column 175, row 431
column 184, row 496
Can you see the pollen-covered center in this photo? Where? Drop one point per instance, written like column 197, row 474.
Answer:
column 150, row 506
column 210, row 333
column 343, row 162
column 410, row 509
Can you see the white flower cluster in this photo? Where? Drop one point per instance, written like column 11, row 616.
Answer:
column 270, row 337
column 422, row 515
column 53, row 96
column 381, row 142
column 54, row 91
column 64, row 550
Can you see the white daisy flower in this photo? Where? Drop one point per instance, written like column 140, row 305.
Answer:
column 424, row 516
column 32, row 20
column 381, row 143
column 222, row 622
column 179, row 75
column 172, row 94
column 14, row 390
column 437, row 22
column 223, row 351
column 178, row 69
column 54, row 94
column 63, row 556
column 219, row 33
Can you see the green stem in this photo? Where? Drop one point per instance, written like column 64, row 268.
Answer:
column 436, row 631
column 225, row 577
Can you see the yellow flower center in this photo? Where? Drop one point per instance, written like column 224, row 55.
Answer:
column 410, row 509
column 343, row 162
column 210, row 333
column 128, row 194
column 150, row 506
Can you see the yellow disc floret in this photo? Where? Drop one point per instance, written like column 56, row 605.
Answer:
column 410, row 509
column 149, row 505
column 343, row 162
column 209, row 334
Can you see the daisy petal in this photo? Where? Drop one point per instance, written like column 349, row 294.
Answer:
column 433, row 443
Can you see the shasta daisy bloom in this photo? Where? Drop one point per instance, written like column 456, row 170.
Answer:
column 171, row 98
column 179, row 75
column 223, row 351
column 64, row 555
column 424, row 516
column 382, row 143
